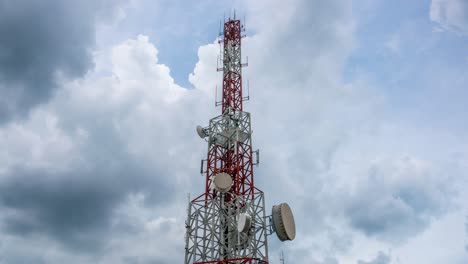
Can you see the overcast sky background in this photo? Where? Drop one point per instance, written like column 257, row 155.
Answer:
column 358, row 107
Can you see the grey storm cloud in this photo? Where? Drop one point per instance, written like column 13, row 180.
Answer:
column 39, row 40
column 68, row 209
column 75, row 207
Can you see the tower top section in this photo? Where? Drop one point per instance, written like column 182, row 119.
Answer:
column 232, row 66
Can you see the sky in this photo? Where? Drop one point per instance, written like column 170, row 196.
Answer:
column 358, row 109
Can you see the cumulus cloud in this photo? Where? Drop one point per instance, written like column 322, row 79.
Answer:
column 103, row 156
column 41, row 41
column 451, row 15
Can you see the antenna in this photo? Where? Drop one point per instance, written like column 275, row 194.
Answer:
column 244, row 25
column 220, row 33
column 246, row 98
column 282, row 257
column 283, row 222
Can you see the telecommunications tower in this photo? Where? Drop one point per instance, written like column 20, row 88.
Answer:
column 227, row 224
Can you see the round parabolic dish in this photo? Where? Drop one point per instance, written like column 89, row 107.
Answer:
column 222, row 182
column 283, row 222
column 201, row 132
column 243, row 225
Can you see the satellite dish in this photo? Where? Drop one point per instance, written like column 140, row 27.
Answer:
column 222, row 182
column 239, row 240
column 201, row 132
column 283, row 222
column 243, row 225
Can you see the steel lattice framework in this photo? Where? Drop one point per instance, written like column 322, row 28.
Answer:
column 211, row 227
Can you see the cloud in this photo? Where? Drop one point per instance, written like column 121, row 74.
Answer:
column 100, row 172
column 451, row 15
column 101, row 159
column 381, row 258
column 73, row 207
column 108, row 121
column 40, row 42
column 334, row 157
column 398, row 199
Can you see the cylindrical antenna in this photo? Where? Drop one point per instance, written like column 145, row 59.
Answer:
column 244, row 23
column 219, row 31
column 221, row 58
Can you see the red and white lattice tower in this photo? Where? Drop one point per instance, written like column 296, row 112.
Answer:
column 227, row 223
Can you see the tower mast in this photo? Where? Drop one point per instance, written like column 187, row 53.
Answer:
column 227, row 223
